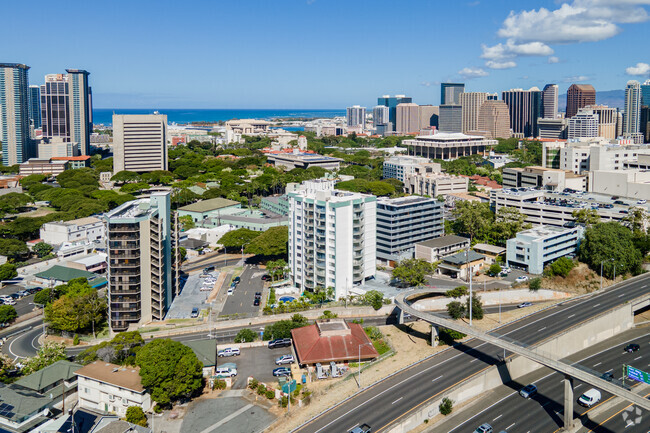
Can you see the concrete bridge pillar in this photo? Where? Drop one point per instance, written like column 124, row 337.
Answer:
column 400, row 317
column 434, row 335
column 568, row 403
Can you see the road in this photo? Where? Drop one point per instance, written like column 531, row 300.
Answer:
column 512, row 413
column 241, row 301
column 378, row 406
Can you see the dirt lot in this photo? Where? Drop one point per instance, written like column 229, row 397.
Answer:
column 580, row 280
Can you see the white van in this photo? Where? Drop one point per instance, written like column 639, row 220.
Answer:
column 589, row 398
column 225, row 372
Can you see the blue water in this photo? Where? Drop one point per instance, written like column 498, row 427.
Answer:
column 104, row 115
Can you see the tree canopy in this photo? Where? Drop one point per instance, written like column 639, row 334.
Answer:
column 282, row 328
column 236, row 239
column 79, row 309
column 612, row 245
column 272, row 242
column 413, row 271
column 47, row 354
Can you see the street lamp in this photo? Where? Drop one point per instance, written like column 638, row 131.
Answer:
column 612, row 259
column 360, row 346
column 43, row 307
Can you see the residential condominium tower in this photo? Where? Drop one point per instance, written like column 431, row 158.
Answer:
column 332, row 237
column 549, row 101
column 525, row 108
column 356, row 116
column 380, row 115
column 141, row 284
column 35, row 106
column 579, row 96
column 632, row 115
column 17, row 146
column 584, row 124
column 139, row 142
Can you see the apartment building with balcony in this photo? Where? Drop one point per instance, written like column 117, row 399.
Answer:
column 404, row 221
column 142, row 281
column 538, row 247
column 332, row 237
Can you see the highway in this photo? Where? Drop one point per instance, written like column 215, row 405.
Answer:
column 543, row 412
column 378, row 405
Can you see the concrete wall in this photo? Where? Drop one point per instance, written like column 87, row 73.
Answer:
column 571, row 341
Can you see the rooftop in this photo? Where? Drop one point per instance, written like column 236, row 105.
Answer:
column 449, row 136
column 209, row 205
column 493, row 249
column 78, row 222
column 331, row 341
column 65, row 274
column 463, row 257
column 403, row 201
column 543, row 231
column 444, row 241
column 16, row 402
column 41, row 379
column 205, row 350
column 71, row 158
column 125, row 377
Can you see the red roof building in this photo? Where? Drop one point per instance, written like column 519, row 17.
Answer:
column 332, row 340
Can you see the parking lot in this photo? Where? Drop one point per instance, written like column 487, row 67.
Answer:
column 241, row 301
column 257, row 362
column 190, row 297
column 23, row 305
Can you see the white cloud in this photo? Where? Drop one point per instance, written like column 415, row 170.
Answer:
column 510, row 49
column 469, row 73
column 496, row 64
column 553, row 59
column 642, row 69
column 576, row 79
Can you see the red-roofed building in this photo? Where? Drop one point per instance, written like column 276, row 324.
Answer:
column 332, row 340
column 74, row 162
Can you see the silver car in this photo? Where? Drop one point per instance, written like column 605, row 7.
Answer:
column 285, row 359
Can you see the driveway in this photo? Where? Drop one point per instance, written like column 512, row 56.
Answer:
column 241, row 301
column 190, row 297
column 257, row 362
column 225, row 414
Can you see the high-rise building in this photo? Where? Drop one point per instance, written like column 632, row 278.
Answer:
column 645, row 93
column 404, row 221
column 66, row 108
column 398, row 166
column 332, row 237
column 525, row 107
column 553, row 129
column 471, row 105
column 579, row 96
column 392, row 102
column 549, row 101
column 494, row 119
column 632, row 114
column 451, row 118
column 429, row 116
column 607, row 118
column 450, row 93
column 584, row 124
column 645, row 123
column 17, row 145
column 380, row 115
column 408, row 118
column 139, row 142
column 35, row 106
column 141, row 282
column 356, row 116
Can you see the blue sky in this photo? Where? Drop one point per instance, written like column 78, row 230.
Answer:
column 324, row 53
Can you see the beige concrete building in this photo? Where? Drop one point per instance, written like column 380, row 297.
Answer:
column 494, row 120
column 57, row 147
column 427, row 180
column 471, row 105
column 448, row 145
column 429, row 115
column 408, row 118
column 548, row 178
column 139, row 142
column 42, row 166
column 634, row 184
column 434, row 249
column 607, row 120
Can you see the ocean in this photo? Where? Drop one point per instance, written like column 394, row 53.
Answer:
column 104, row 115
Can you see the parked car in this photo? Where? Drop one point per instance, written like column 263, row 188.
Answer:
column 195, row 313
column 229, row 351
column 280, row 342
column 225, row 372
column 9, row 301
column 23, row 293
column 642, row 201
column 15, row 296
column 32, row 290
column 484, row 428
column 525, row 304
column 363, row 428
column 236, row 280
column 258, row 295
column 256, row 302
column 528, row 391
column 521, row 279
column 282, row 371
column 632, row 347
column 284, row 359
column 266, row 277
column 589, row 398
column 231, row 291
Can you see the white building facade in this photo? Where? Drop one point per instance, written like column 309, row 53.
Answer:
column 538, row 247
column 82, row 230
column 397, row 167
column 332, row 237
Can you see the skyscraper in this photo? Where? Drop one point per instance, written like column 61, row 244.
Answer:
column 584, row 124
column 549, row 101
column 66, row 108
column 607, row 118
column 451, row 118
column 450, row 93
column 645, row 93
column 391, row 102
column 471, row 104
column 139, row 142
column 429, row 115
column 494, row 119
column 579, row 96
column 408, row 118
column 380, row 115
column 35, row 106
column 525, row 107
column 17, row 146
column 356, row 115
column 632, row 115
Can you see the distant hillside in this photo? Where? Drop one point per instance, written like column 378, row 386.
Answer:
column 612, row 98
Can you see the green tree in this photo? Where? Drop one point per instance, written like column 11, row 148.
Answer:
column 473, row 219
column 508, row 222
column 456, row 310
column 187, row 223
column 612, row 245
column 272, row 242
column 77, row 179
column 457, row 292
column 8, row 271
column 535, row 284
column 78, row 309
column 236, row 239
column 561, row 267
column 42, row 249
column 374, row 298
column 245, row 336
column 587, row 217
column 446, row 406
column 413, row 271
column 169, row 370
column 494, row 270
column 477, row 307
column 13, row 248
column 636, row 219
column 135, row 415
column 7, row 313
column 122, row 349
column 47, row 354
column 12, row 202
column 125, row 176
column 282, row 328
column 276, row 268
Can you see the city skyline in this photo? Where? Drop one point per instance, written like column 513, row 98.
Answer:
column 133, row 57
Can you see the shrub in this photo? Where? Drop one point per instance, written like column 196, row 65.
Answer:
column 535, row 284
column 157, row 409
column 560, row 267
column 373, row 333
column 306, row 396
column 219, row 384
column 449, row 336
column 456, row 310
column 327, row 314
column 270, row 394
column 253, row 384
column 494, row 269
column 261, row 389
column 75, row 340
column 446, row 406
column 457, row 292
column 245, row 336
column 477, row 308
